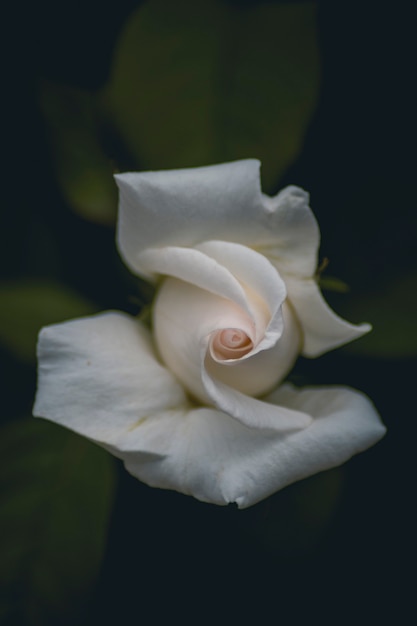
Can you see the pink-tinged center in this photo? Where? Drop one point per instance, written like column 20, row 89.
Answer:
column 231, row 343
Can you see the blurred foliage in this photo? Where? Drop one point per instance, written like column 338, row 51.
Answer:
column 191, row 84
column 56, row 495
column 83, row 171
column 29, row 305
column 200, row 83
column 392, row 310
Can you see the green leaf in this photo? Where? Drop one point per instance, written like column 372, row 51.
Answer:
column 195, row 83
column 392, row 311
column 83, row 171
column 27, row 306
column 56, row 495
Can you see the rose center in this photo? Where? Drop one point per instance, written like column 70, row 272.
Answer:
column 231, row 343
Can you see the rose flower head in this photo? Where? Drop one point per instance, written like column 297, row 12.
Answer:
column 198, row 403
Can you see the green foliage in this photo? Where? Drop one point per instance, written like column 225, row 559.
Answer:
column 392, row 311
column 192, row 83
column 56, row 494
column 83, row 171
column 195, row 83
column 28, row 305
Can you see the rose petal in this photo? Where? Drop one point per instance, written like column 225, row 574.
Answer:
column 184, row 207
column 263, row 370
column 323, row 330
column 184, row 318
column 198, row 269
column 188, row 206
column 216, row 459
column 258, row 276
column 99, row 377
column 295, row 233
column 232, row 271
column 252, row 412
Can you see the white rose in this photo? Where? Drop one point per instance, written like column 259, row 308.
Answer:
column 198, row 406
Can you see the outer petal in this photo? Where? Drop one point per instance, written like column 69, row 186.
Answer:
column 322, row 328
column 296, row 235
column 99, row 377
column 216, row 459
column 186, row 207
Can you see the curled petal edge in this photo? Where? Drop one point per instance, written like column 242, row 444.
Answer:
column 217, row 459
column 322, row 328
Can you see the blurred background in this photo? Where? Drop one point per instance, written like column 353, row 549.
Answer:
column 322, row 94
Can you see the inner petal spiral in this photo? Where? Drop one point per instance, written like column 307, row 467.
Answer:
column 230, row 343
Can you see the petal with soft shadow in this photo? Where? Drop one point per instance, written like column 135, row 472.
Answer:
column 99, row 377
column 263, row 371
column 322, row 329
column 296, row 236
column 184, row 207
column 216, row 459
column 253, row 412
column 258, row 276
column 198, row 269
column 185, row 317
column 188, row 206
column 232, row 271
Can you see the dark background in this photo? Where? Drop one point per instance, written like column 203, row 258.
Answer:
column 168, row 556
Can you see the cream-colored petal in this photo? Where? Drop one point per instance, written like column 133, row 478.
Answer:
column 188, row 319
column 217, row 459
column 265, row 369
column 252, row 412
column 99, row 377
column 196, row 268
column 188, row 206
column 322, row 329
column 184, row 207
column 295, row 235
column 184, row 317
column 260, row 279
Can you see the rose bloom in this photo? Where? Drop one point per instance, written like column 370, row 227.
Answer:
column 197, row 404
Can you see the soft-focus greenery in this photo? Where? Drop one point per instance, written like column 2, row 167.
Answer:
column 393, row 312
column 83, row 171
column 195, row 83
column 191, row 84
column 29, row 305
column 56, row 495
